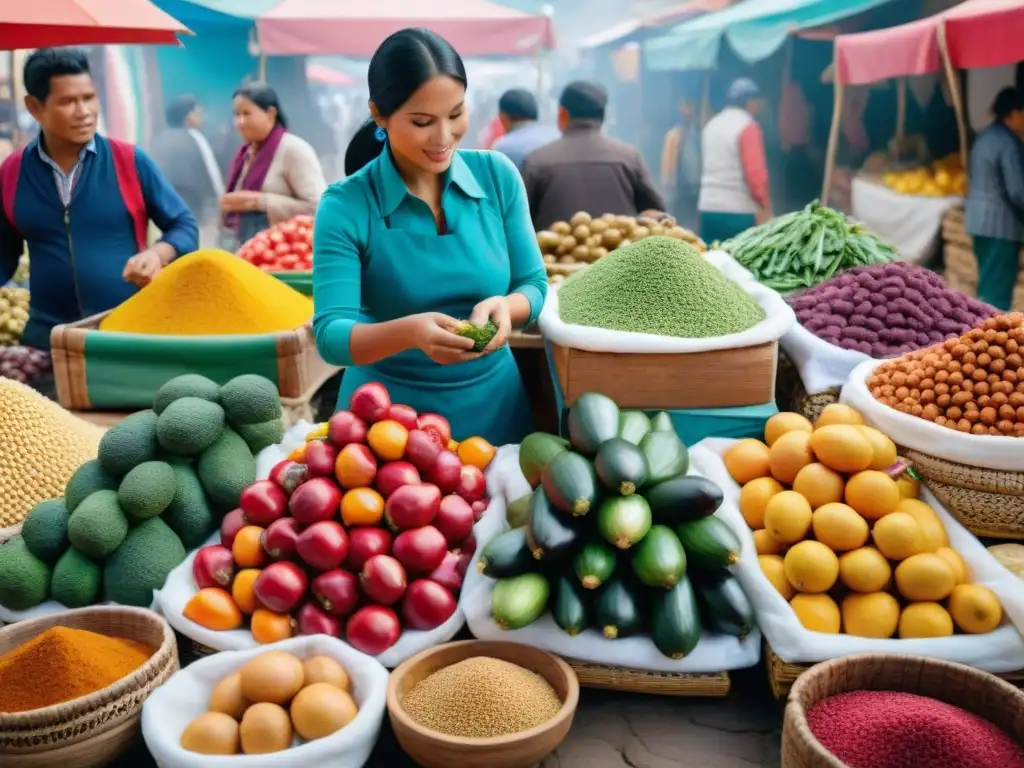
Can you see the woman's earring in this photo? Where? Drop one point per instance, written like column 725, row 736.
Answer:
column 380, row 135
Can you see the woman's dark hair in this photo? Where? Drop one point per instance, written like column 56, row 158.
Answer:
column 179, row 109
column 264, row 97
column 1008, row 101
column 400, row 65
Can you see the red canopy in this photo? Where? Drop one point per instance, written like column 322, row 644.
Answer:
column 324, row 75
column 979, row 33
column 42, row 23
column 356, row 27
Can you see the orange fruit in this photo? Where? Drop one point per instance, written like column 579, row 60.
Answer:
column 387, row 439
column 248, row 549
column 476, row 452
column 356, row 466
column 213, row 608
column 269, row 627
column 299, row 454
column 242, row 592
column 362, row 506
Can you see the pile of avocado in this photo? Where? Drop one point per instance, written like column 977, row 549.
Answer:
column 616, row 536
column 160, row 485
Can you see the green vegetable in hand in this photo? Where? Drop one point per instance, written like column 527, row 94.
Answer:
column 480, row 334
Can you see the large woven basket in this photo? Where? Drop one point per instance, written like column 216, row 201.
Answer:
column 971, row 689
column 93, row 729
column 989, row 503
column 791, row 395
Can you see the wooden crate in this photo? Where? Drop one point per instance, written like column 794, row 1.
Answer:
column 722, row 379
column 715, row 685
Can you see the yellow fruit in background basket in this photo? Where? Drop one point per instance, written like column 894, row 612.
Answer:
column 898, row 536
column 925, row 578
column 773, row 568
column 864, row 570
column 975, row 609
column 873, row 615
column 811, row 567
column 956, row 562
column 787, row 517
column 838, row 413
column 747, row 460
column 818, row 613
column 781, row 423
column 909, row 487
column 839, row 527
column 925, row 620
column 819, row 485
column 790, row 454
column 754, row 498
column 766, row 545
column 883, row 449
column 873, row 494
column 934, row 531
column 841, row 447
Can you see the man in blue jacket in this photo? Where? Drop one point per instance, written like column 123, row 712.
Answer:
column 82, row 204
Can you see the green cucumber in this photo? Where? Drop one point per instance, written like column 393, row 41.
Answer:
column 507, row 554
column 634, row 426
column 517, row 513
column 662, row 422
column 568, row 607
column 660, row 560
column 683, row 498
column 624, row 520
column 666, row 456
column 594, row 564
column 620, row 466
column 570, row 483
column 536, row 451
column 593, row 418
column 726, row 605
column 617, row 610
column 709, row 542
column 548, row 534
column 519, row 601
column 675, row 620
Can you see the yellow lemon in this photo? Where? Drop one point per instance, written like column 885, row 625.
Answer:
column 925, row 620
column 864, row 570
column 841, row 447
column 781, row 423
column 954, row 561
column 931, row 525
column 754, row 498
column 872, row 493
column 839, row 527
column 790, row 454
column 898, row 536
column 775, row 571
column 882, row 447
column 811, row 567
column 872, row 615
column 819, row 485
column 787, row 517
column 766, row 545
column 838, row 413
column 747, row 460
column 925, row 578
column 818, row 613
column 975, row 609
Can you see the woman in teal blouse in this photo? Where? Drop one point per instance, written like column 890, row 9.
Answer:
column 419, row 236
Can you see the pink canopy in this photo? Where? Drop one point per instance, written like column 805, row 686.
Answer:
column 356, row 27
column 979, row 33
column 84, row 22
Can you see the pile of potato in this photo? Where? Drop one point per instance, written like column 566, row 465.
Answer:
column 584, row 239
column 13, row 313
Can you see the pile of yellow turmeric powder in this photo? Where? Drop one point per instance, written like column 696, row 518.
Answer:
column 211, row 293
column 62, row 664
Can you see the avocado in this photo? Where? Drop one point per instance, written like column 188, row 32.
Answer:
column 129, row 443
column 188, row 426
column 250, row 399
column 99, row 525
column 188, row 385
column 227, row 468
column 24, row 578
column 88, row 478
column 76, row 580
column 142, row 563
column 45, row 530
column 261, row 435
column 147, row 490
column 189, row 514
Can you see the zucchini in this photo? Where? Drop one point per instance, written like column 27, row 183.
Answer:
column 617, row 610
column 726, row 606
column 507, row 554
column 683, row 498
column 517, row 514
column 519, row 601
column 709, row 542
column 662, row 422
column 593, row 418
column 666, row 456
column 594, row 564
column 675, row 620
column 620, row 466
column 570, row 483
column 624, row 520
column 568, row 607
column 536, row 450
column 634, row 426
column 547, row 534
column 660, row 560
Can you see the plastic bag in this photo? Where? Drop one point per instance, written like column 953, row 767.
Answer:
column 185, row 696
column 714, row 653
column 821, row 365
column 779, row 319
column 987, row 451
column 998, row 651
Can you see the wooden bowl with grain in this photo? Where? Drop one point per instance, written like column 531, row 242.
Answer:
column 433, row 749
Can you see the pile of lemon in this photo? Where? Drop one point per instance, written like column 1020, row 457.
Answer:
column 943, row 178
column 852, row 549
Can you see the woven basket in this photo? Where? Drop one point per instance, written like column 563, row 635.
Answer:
column 93, row 729
column 790, row 394
column 989, row 503
column 714, row 685
column 978, row 692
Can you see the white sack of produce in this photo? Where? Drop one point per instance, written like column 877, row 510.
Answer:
column 821, row 365
column 999, row 651
column 186, row 695
column 1001, row 453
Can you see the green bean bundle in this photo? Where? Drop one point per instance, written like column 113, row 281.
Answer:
column 801, row 249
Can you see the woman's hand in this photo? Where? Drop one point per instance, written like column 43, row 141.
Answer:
column 241, row 202
column 432, row 334
column 495, row 308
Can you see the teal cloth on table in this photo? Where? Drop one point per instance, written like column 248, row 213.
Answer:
column 722, row 226
column 378, row 257
column 998, row 262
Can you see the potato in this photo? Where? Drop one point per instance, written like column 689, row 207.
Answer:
column 646, row 221
column 625, row 241
column 581, row 233
column 549, row 258
column 611, row 238
column 609, row 217
column 567, row 260
column 679, row 233
column 598, row 253
column 548, row 240
column 657, row 231
column 580, row 218
column 597, row 226
column 593, row 241
column 581, row 253
column 561, row 228
column 625, row 223
column 639, row 233
column 567, row 244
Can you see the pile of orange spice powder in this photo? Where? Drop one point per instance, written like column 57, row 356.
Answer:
column 62, row 664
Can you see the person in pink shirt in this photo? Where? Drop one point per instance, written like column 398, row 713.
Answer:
column 734, row 191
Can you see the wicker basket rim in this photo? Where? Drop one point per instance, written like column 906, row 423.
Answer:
column 911, row 453
column 56, row 714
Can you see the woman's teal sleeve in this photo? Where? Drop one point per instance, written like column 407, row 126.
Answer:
column 337, row 274
column 528, row 274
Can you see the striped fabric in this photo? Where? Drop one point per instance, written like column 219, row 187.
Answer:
column 995, row 203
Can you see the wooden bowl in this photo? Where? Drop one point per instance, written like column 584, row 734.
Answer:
column 93, row 729
column 432, row 749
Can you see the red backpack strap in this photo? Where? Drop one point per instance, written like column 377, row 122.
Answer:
column 131, row 189
column 10, row 170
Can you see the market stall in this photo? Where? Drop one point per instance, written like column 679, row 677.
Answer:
column 86, row 22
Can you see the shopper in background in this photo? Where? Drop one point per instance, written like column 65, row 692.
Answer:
column 680, row 165
column 274, row 175
column 517, row 110
column 734, row 192
column 585, row 170
column 995, row 200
